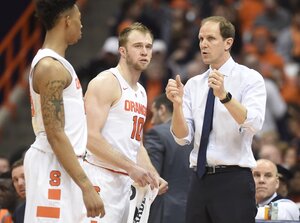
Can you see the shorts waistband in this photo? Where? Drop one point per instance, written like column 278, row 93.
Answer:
column 111, row 170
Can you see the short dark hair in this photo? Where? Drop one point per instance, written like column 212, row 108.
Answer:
column 8, row 195
column 123, row 37
column 17, row 163
column 4, row 157
column 48, row 11
column 163, row 100
column 227, row 29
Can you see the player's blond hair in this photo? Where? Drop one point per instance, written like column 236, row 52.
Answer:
column 123, row 37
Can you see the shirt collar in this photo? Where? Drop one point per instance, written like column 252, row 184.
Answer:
column 226, row 68
column 262, row 204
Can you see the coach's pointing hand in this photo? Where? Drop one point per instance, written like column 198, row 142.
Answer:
column 174, row 90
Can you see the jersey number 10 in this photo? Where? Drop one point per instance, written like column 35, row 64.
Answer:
column 138, row 124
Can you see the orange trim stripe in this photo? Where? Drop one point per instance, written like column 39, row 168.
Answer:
column 54, row 194
column 47, row 212
column 93, row 221
column 115, row 171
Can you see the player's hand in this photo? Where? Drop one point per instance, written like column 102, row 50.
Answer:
column 143, row 177
column 174, row 90
column 163, row 186
column 93, row 203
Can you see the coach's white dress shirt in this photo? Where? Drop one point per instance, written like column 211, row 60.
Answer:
column 229, row 143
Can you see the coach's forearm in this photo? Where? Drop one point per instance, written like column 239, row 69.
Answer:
column 179, row 126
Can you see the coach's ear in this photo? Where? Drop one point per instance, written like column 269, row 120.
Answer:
column 228, row 43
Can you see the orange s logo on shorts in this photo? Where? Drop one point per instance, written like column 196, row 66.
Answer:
column 55, row 178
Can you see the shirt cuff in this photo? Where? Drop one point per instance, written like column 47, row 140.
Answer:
column 180, row 141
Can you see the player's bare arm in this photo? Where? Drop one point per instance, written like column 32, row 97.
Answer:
column 143, row 160
column 49, row 80
column 102, row 93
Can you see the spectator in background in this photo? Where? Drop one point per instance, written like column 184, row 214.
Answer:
column 288, row 45
column 266, row 183
column 294, row 126
column 276, row 107
column 8, row 200
column 230, row 12
column 4, row 164
column 272, row 152
column 274, row 17
column 181, row 56
column 248, row 11
column 5, row 216
column 290, row 157
column 172, row 163
column 106, row 58
column 273, row 149
column 146, row 12
column 17, row 175
column 262, row 47
column 284, row 176
column 288, row 41
column 194, row 67
column 291, row 5
column 295, row 185
column 276, row 111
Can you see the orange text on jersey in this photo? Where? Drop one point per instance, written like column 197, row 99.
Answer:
column 135, row 107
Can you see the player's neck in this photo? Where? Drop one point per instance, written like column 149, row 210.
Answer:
column 52, row 42
column 130, row 75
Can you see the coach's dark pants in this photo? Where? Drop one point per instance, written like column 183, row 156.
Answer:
column 227, row 197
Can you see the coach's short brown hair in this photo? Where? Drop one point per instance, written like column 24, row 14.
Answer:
column 227, row 29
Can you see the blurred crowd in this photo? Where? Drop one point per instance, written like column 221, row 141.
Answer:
column 267, row 40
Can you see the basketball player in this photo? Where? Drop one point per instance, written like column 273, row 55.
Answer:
column 116, row 112
column 57, row 188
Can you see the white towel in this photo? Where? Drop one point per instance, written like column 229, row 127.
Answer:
column 140, row 202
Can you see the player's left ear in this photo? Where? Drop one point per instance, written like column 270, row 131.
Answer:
column 228, row 43
column 67, row 20
column 122, row 50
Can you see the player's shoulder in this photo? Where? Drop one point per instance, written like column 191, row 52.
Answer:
column 105, row 81
column 104, row 77
column 48, row 69
column 48, row 64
